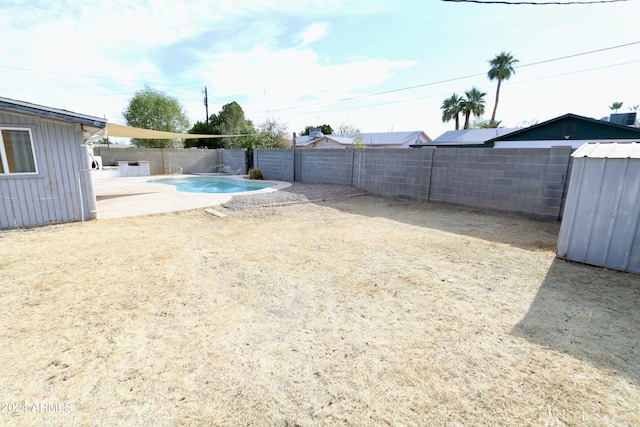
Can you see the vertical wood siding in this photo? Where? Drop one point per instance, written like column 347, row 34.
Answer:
column 52, row 195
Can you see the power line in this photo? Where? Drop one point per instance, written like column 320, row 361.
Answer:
column 480, row 38
column 579, row 54
column 512, row 83
column 444, row 81
column 86, row 76
column 535, row 3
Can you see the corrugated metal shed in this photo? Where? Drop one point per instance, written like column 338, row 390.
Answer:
column 600, row 222
column 613, row 150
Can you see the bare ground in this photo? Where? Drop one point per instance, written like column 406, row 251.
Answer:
column 357, row 311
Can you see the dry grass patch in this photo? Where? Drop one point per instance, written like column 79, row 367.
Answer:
column 362, row 311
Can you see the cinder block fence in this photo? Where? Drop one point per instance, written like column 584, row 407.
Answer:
column 523, row 181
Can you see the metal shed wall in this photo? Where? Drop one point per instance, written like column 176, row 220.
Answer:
column 600, row 222
column 53, row 194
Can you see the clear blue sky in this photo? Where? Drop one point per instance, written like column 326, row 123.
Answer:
column 301, row 61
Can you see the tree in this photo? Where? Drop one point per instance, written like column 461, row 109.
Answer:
column 616, row 106
column 325, row 129
column 357, row 140
column 527, row 123
column 271, row 134
column 501, row 69
column 347, row 129
column 473, row 104
column 153, row 109
column 230, row 120
column 451, row 109
column 482, row 123
column 204, row 128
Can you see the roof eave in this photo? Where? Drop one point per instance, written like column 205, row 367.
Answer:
column 55, row 113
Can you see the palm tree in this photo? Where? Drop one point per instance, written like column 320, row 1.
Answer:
column 472, row 104
column 451, row 109
column 501, row 69
column 616, row 106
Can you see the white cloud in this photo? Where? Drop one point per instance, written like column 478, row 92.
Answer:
column 271, row 55
column 313, row 32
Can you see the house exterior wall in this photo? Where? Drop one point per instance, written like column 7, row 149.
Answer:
column 600, row 224
column 62, row 189
column 327, row 143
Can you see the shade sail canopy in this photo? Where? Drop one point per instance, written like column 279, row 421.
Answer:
column 114, row 130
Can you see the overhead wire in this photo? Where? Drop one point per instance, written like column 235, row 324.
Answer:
column 482, row 87
column 444, row 81
column 96, row 77
column 481, row 39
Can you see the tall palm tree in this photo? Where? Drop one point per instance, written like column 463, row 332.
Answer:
column 451, row 109
column 472, row 104
column 501, row 69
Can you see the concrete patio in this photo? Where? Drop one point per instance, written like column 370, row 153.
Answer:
column 135, row 196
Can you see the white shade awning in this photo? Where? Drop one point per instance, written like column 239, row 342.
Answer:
column 117, row 130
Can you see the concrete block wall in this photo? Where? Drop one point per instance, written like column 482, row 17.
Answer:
column 275, row 164
column 236, row 160
column 524, row 181
column 328, row 166
column 111, row 157
column 394, row 172
column 191, row 161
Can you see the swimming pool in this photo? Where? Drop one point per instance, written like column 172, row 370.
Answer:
column 212, row 184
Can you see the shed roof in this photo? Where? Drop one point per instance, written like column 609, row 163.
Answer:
column 611, row 150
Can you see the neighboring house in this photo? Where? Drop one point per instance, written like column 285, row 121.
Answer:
column 369, row 140
column 469, row 137
column 568, row 130
column 44, row 170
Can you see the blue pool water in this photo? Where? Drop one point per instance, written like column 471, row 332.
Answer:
column 212, row 185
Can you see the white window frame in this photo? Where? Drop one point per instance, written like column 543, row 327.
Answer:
column 3, row 154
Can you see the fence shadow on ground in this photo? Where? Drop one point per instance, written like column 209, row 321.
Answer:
column 490, row 226
column 590, row 313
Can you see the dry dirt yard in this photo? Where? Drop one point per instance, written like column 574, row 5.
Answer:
column 357, row 311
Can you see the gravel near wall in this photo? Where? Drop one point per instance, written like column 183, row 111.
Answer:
column 297, row 193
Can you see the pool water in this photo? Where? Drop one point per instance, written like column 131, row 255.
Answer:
column 212, row 185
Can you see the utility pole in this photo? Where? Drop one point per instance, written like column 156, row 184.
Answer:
column 206, row 104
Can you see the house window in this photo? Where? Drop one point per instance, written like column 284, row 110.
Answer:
column 16, row 151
